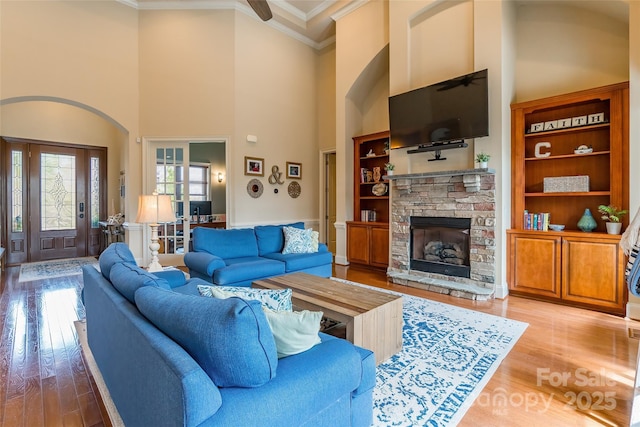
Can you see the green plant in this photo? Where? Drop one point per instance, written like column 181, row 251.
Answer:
column 482, row 157
column 611, row 213
column 389, row 166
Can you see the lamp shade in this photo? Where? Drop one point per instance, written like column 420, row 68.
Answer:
column 155, row 209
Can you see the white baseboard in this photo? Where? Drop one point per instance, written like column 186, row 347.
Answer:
column 341, row 260
column 501, row 291
column 633, row 310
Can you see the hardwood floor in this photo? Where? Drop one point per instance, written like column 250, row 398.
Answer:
column 571, row 366
column 44, row 380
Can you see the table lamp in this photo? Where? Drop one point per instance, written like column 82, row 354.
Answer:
column 153, row 210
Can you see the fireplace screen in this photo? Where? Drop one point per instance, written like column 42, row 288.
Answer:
column 440, row 245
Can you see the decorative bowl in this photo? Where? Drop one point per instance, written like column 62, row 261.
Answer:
column 556, row 227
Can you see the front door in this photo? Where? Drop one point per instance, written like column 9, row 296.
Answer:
column 56, row 197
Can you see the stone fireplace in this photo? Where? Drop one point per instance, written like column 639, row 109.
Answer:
column 443, row 232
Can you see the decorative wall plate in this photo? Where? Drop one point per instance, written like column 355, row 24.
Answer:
column 294, row 189
column 379, row 189
column 255, row 188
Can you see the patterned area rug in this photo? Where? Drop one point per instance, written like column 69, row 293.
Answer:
column 449, row 354
column 54, row 268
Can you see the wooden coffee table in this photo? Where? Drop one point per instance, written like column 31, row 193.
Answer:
column 373, row 319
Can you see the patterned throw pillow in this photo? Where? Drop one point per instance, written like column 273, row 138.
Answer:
column 297, row 241
column 278, row 300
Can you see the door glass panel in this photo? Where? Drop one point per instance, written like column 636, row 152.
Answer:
column 57, row 192
column 169, row 176
column 95, row 192
column 16, row 191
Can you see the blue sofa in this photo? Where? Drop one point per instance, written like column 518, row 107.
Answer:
column 238, row 257
column 155, row 364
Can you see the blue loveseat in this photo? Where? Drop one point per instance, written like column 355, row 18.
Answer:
column 154, row 338
column 238, row 257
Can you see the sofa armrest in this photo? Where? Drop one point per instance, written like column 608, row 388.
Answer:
column 174, row 277
column 323, row 247
column 203, row 262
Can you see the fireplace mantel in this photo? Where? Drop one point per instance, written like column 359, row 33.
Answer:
column 484, row 171
column 471, row 178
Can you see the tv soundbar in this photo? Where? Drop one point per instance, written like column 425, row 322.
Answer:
column 438, row 147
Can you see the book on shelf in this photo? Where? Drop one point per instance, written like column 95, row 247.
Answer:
column 368, row 215
column 536, row 221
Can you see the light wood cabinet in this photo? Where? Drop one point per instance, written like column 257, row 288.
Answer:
column 368, row 238
column 575, row 268
column 571, row 267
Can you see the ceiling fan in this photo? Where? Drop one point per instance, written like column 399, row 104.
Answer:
column 261, row 8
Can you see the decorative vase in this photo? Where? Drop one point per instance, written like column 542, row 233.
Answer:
column 484, row 165
column 587, row 223
column 614, row 227
column 376, row 174
column 389, row 173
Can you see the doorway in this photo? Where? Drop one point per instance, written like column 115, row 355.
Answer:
column 330, row 200
column 55, row 197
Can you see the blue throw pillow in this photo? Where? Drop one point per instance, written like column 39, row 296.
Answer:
column 127, row 279
column 274, row 299
column 116, row 253
column 270, row 237
column 229, row 338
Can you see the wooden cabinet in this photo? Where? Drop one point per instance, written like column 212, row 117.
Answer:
column 576, row 268
column 368, row 233
column 368, row 243
column 572, row 267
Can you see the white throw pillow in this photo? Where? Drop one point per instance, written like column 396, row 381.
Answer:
column 294, row 331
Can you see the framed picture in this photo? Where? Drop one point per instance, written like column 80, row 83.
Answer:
column 253, row 166
column 294, row 170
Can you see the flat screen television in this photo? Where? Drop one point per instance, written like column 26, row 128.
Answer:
column 441, row 113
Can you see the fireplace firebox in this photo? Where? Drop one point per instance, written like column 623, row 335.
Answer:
column 440, row 245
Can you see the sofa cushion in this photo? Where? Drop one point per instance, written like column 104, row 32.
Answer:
column 234, row 243
column 294, row 331
column 271, row 238
column 298, row 241
column 127, row 279
column 274, row 299
column 229, row 338
column 240, row 270
column 297, row 262
column 115, row 253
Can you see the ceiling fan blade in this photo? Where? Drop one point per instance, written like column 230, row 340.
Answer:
column 261, row 8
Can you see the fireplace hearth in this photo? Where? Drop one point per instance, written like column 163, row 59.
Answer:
column 440, row 245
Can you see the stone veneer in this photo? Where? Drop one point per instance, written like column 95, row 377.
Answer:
column 460, row 194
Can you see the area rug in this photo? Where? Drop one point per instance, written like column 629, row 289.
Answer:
column 448, row 355
column 54, row 268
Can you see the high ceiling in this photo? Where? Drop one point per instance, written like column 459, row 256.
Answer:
column 310, row 21
column 307, row 20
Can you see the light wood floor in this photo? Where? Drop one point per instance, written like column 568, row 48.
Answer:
column 44, row 382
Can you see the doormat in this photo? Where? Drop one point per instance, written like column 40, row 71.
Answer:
column 55, row 268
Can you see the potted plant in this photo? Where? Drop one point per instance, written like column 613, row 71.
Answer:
column 386, row 147
column 482, row 159
column 389, row 167
column 613, row 215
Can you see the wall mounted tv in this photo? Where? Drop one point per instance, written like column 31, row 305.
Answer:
column 441, row 115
